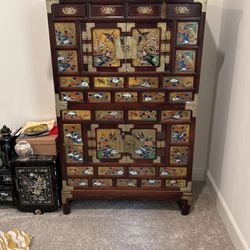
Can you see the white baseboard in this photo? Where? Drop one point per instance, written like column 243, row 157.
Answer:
column 199, row 174
column 226, row 216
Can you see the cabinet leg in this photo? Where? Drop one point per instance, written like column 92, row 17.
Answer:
column 184, row 206
column 66, row 208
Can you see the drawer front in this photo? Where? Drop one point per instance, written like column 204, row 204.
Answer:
column 69, row 10
column 184, row 10
column 107, row 11
column 144, row 11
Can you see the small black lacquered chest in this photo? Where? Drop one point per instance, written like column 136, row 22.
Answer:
column 36, row 183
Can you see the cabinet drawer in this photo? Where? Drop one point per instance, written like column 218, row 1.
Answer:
column 69, row 10
column 184, row 10
column 107, row 11
column 142, row 10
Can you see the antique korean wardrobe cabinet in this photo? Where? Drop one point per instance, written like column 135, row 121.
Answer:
column 126, row 79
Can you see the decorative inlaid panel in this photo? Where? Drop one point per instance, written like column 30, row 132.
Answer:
column 178, row 82
column 173, row 171
column 35, row 187
column 180, row 97
column 102, row 182
column 176, row 183
column 6, row 196
column 85, row 171
column 153, row 183
column 180, row 133
column 74, row 82
column 126, row 96
column 104, row 47
column 143, row 82
column 178, row 155
column 175, row 115
column 110, row 170
column 78, row 182
column 142, row 115
column 153, row 96
column 65, row 34
column 76, row 115
column 185, row 60
column 109, row 143
column 72, row 133
column 99, row 96
column 147, row 46
column 109, row 115
column 67, row 61
column 72, row 96
column 126, row 183
column 144, row 143
column 142, row 171
column 109, row 82
column 187, row 33
column 74, row 154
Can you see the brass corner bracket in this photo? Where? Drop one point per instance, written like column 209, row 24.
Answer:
column 49, row 4
column 193, row 105
column 60, row 105
column 66, row 192
column 204, row 4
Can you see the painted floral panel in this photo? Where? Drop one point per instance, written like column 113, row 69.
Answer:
column 104, row 47
column 179, row 155
column 142, row 171
column 76, row 115
column 109, row 115
column 102, row 182
column 126, row 96
column 109, row 143
column 110, row 170
column 74, row 154
column 173, row 171
column 84, row 171
column 144, row 144
column 143, row 82
column 99, row 96
column 72, row 96
column 187, row 33
column 180, row 97
column 78, row 182
column 175, row 115
column 74, row 82
column 67, row 61
column 109, row 82
column 178, row 82
column 185, row 60
column 72, row 133
column 142, row 115
column 153, row 96
column 180, row 133
column 65, row 34
column 147, row 42
column 176, row 183
column 151, row 183
column 126, row 183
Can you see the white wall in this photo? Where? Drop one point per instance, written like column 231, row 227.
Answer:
column 26, row 85
column 229, row 167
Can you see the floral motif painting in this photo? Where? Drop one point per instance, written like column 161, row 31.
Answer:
column 67, row 61
column 102, row 182
column 78, row 182
column 178, row 82
column 109, row 115
column 109, row 82
column 72, row 133
column 84, row 171
column 126, row 96
column 72, row 96
column 126, row 183
column 187, row 33
column 74, row 154
column 179, row 155
column 180, row 97
column 142, row 115
column 141, row 171
column 185, row 60
column 180, row 133
column 143, row 82
column 151, row 183
column 175, row 115
column 176, row 183
column 76, row 115
column 74, row 82
column 153, row 96
column 173, row 171
column 65, row 34
column 99, row 96
column 110, row 171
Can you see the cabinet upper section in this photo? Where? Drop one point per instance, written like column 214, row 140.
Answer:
column 126, row 9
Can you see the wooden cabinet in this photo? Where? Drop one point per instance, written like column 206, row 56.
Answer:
column 126, row 77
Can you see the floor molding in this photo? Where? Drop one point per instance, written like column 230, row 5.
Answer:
column 226, row 216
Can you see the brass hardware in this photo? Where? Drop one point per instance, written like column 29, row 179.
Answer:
column 182, row 10
column 125, row 48
column 69, row 10
column 204, row 4
column 163, row 10
column 66, row 192
column 188, row 197
column 60, row 105
column 188, row 188
column 107, row 10
column 49, row 4
column 193, row 105
column 146, row 10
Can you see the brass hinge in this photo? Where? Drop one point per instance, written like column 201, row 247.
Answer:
column 49, row 4
column 204, row 4
column 60, row 105
column 193, row 105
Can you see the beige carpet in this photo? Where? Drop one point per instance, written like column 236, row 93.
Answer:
column 120, row 225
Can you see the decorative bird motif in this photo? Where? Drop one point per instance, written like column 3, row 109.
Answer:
column 142, row 35
column 109, row 37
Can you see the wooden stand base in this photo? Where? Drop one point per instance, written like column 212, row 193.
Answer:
column 66, row 208
column 184, row 207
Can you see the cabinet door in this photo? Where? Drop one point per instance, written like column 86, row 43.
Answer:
column 125, row 143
